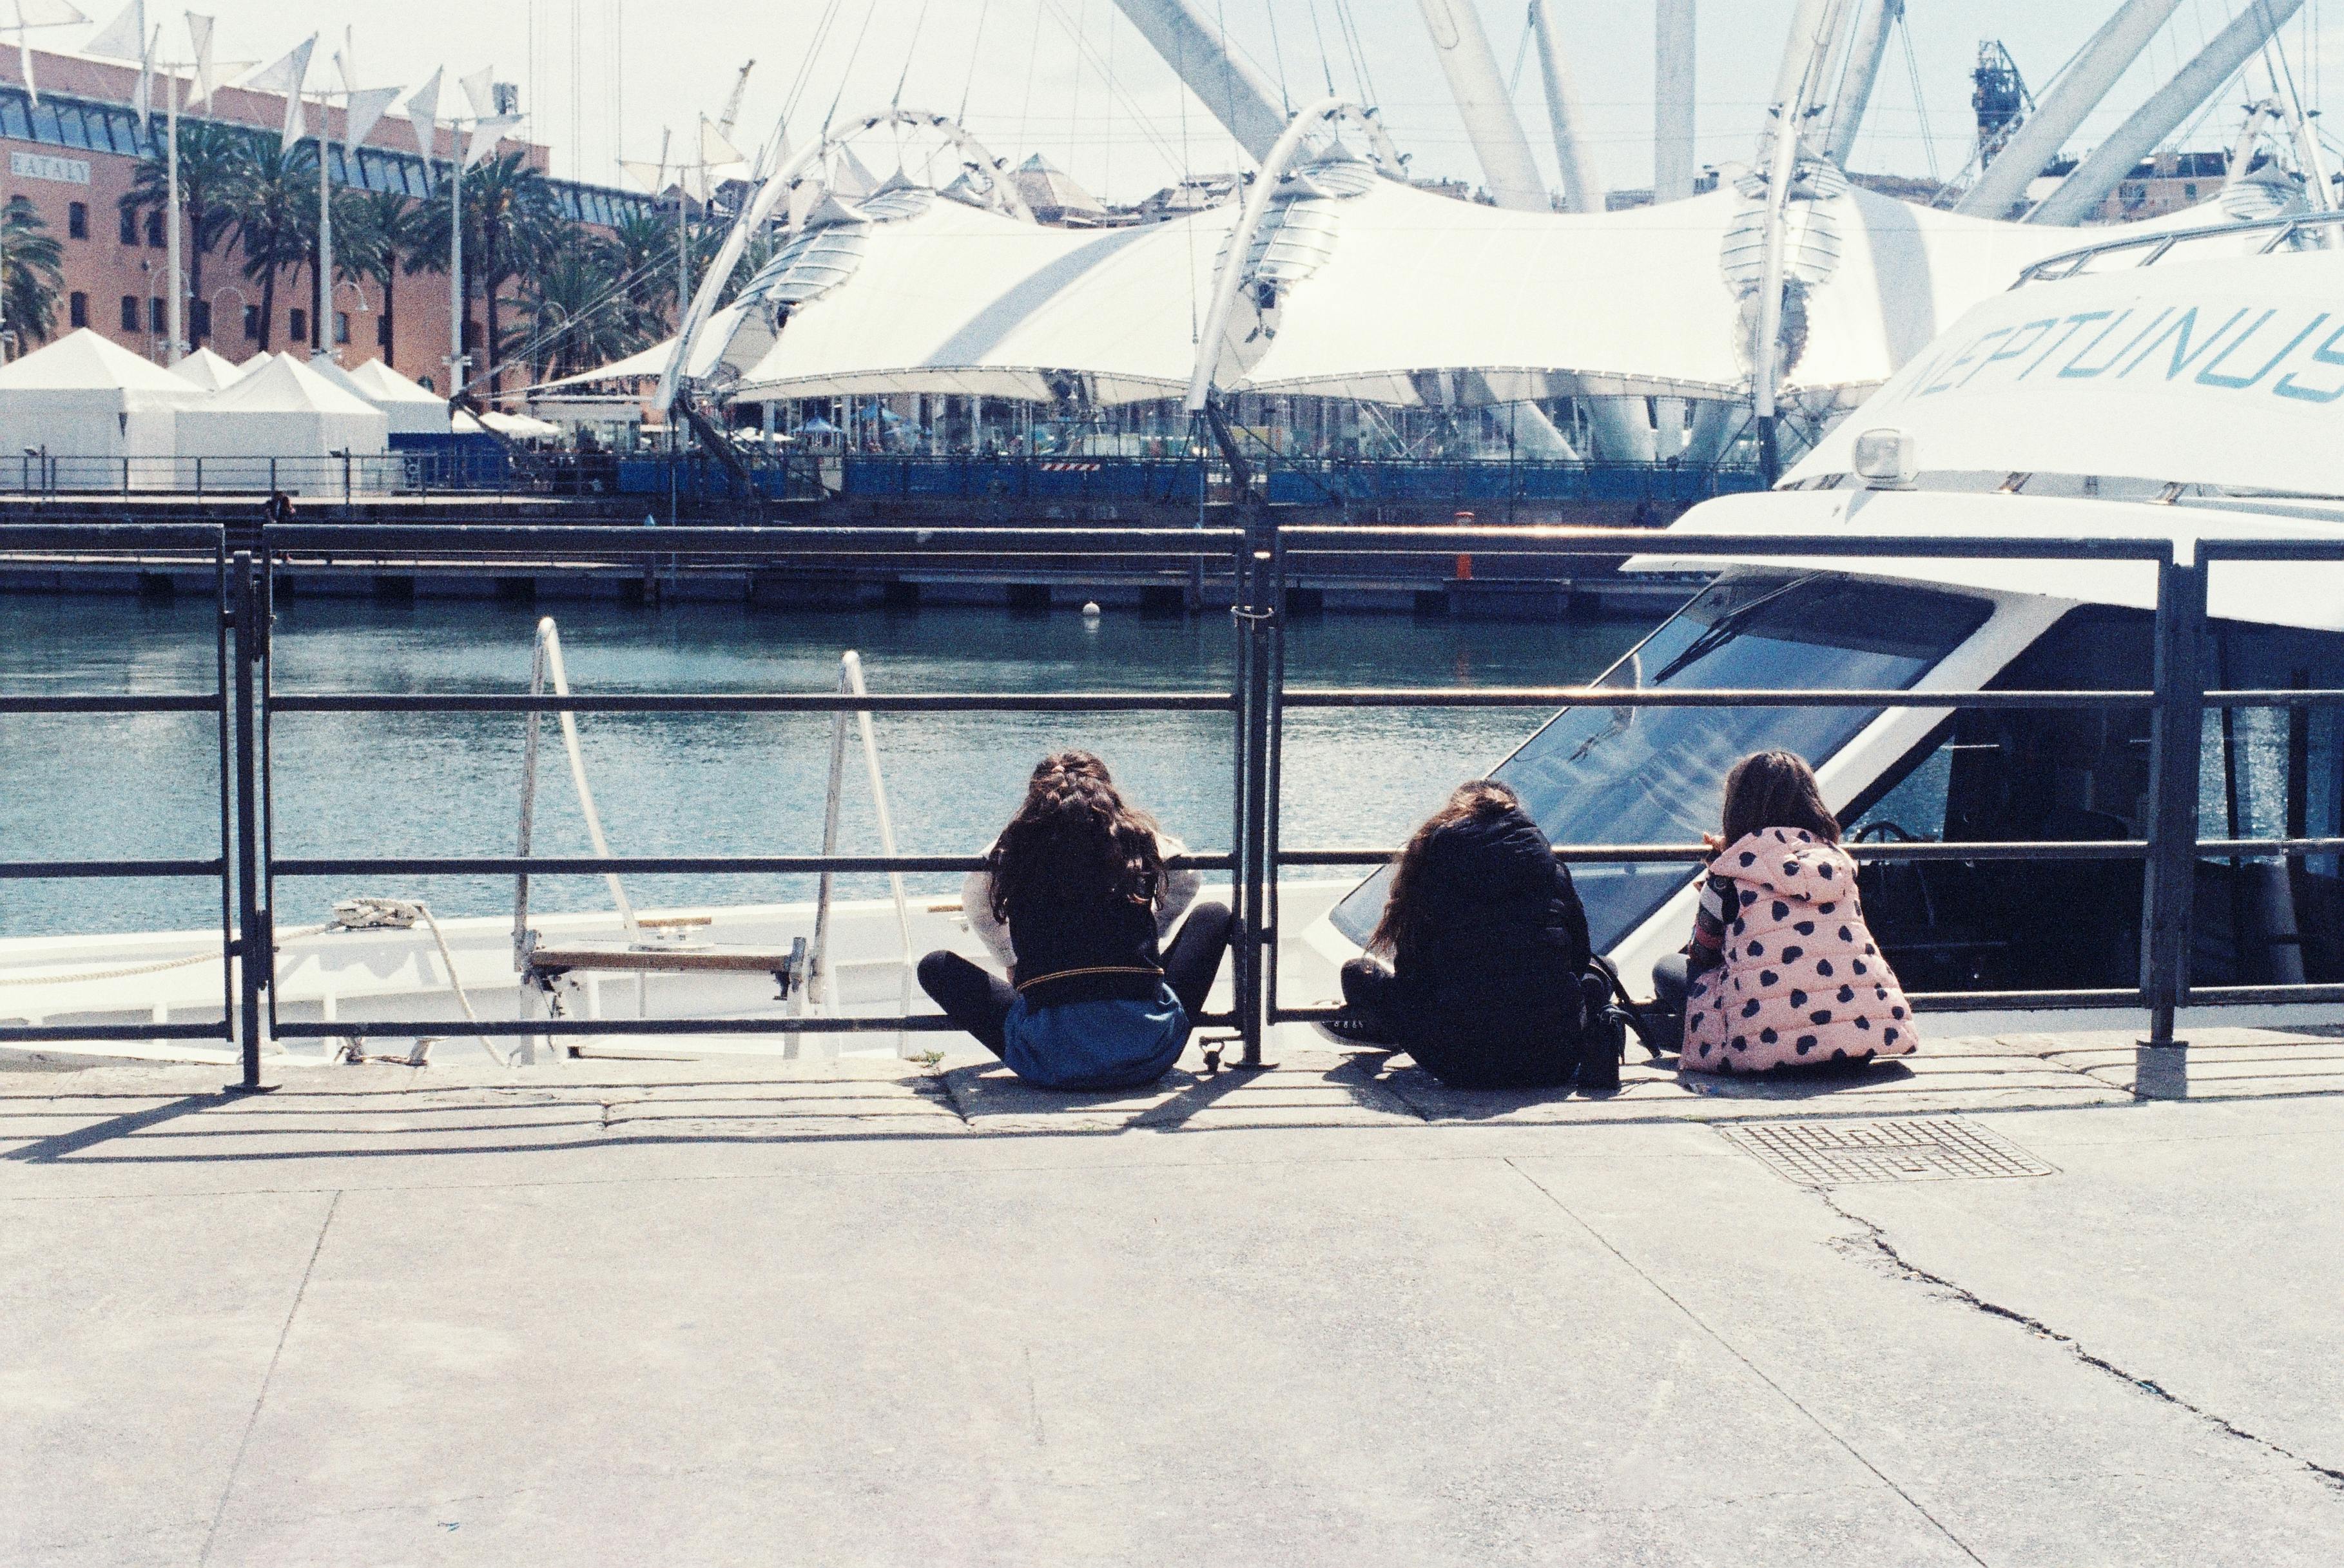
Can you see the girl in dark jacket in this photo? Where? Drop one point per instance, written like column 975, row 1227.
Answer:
column 1487, row 942
column 1076, row 877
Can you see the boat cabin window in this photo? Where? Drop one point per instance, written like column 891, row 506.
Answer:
column 1656, row 775
column 2077, row 775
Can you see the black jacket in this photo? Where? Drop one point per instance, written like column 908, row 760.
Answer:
column 1491, row 992
column 1085, row 949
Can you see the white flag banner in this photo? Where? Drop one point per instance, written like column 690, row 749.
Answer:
column 32, row 14
column 715, row 151
column 422, row 111
column 288, row 76
column 481, row 91
column 199, row 39
column 124, row 38
column 486, row 135
column 367, row 109
column 142, row 96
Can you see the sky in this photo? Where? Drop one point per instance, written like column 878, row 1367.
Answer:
column 1072, row 79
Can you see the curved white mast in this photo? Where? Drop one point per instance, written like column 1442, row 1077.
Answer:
column 2123, row 148
column 1463, row 48
column 1582, row 188
column 2079, row 90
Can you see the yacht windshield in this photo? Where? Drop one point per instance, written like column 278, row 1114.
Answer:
column 1655, row 776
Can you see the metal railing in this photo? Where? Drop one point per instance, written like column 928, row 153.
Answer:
column 2298, row 232
column 231, row 715
column 1261, row 557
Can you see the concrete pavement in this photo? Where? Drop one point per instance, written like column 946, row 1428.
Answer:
column 754, row 1312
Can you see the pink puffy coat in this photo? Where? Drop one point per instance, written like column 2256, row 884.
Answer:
column 1803, row 981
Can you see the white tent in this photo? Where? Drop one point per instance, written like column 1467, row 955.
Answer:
column 208, row 370
column 411, row 411
column 88, row 403
column 412, row 407
column 286, row 422
column 259, row 357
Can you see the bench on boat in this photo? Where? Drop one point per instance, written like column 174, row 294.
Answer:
column 542, row 963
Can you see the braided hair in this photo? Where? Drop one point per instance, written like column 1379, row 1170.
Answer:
column 1076, row 840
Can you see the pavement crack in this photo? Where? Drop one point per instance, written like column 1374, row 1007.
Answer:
column 1875, row 1239
column 260, row 1399
column 1754, row 1369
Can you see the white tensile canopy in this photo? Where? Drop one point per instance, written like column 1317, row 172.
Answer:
column 208, row 370
column 282, row 410
column 649, row 364
column 1409, row 295
column 955, row 300
column 1630, row 302
column 85, row 397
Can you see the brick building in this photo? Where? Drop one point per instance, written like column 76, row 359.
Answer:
column 75, row 155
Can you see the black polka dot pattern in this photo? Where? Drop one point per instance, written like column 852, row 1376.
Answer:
column 1802, row 979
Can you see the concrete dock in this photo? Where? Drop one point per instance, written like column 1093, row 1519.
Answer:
column 2028, row 1301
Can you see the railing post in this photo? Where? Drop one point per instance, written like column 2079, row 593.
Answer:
column 2177, row 738
column 1253, row 934
column 256, row 946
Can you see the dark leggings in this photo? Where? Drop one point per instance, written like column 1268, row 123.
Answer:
column 978, row 1000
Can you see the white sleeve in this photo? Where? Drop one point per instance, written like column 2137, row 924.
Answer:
column 976, row 903
column 1180, row 887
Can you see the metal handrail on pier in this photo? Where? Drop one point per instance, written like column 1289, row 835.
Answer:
column 1259, row 558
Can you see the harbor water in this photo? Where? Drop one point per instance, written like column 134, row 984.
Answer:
column 428, row 784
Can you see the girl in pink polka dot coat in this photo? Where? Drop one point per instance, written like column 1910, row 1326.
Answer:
column 1781, row 971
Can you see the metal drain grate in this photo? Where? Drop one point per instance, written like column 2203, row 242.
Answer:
column 1911, row 1148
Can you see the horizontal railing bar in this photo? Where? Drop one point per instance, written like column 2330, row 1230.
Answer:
column 63, row 870
column 2287, row 847
column 102, row 702
column 1318, row 538
column 1690, row 697
column 109, row 536
column 36, row 1033
column 752, row 703
column 654, row 865
column 2272, row 550
column 2211, row 996
column 2275, row 697
column 457, row 1028
column 1978, row 1001
column 438, row 539
column 1668, row 853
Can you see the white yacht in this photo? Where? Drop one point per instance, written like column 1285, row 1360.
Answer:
column 2185, row 386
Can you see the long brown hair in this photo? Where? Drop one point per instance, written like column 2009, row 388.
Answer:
column 1776, row 789
column 1075, row 838
column 1402, row 925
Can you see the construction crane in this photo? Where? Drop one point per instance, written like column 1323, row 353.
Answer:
column 1999, row 96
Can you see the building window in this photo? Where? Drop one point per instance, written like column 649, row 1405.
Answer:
column 252, row 323
column 341, row 326
column 77, row 220
column 129, row 227
column 2190, row 190
column 382, row 335
column 131, row 313
column 78, row 309
column 155, row 228
column 297, row 326
column 199, row 320
column 158, row 315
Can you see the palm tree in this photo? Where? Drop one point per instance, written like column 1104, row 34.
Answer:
column 276, row 220
column 511, row 222
column 215, row 161
column 31, row 274
column 371, row 230
column 643, row 250
column 575, row 314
